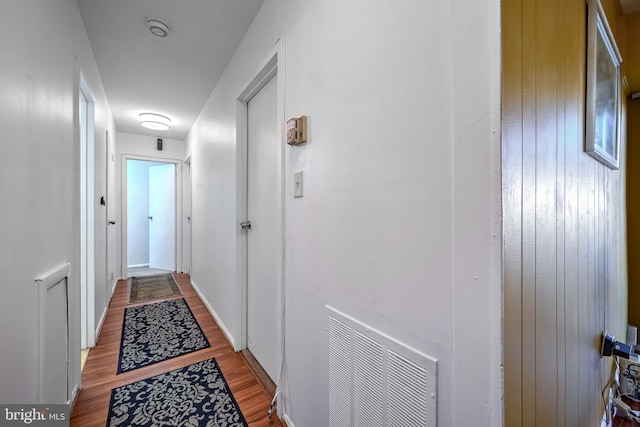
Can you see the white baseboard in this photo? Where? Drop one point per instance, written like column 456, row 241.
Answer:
column 287, row 420
column 113, row 288
column 104, row 313
column 101, row 322
column 74, row 398
column 213, row 313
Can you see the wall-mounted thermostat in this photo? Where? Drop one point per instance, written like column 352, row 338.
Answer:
column 297, row 130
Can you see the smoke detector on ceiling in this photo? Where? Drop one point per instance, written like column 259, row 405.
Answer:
column 157, row 27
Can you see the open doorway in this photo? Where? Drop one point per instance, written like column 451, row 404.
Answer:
column 151, row 217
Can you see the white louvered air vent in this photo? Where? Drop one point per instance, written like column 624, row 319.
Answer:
column 375, row 380
column 339, row 368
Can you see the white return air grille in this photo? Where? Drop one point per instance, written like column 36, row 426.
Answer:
column 375, row 380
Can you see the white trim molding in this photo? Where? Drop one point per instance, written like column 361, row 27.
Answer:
column 44, row 284
column 53, row 277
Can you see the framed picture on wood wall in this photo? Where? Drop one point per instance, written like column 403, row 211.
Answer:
column 603, row 99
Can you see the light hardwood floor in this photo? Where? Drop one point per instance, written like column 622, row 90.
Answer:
column 99, row 374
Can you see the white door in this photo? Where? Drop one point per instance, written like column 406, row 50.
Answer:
column 162, row 217
column 263, row 238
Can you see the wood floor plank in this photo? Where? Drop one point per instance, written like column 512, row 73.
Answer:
column 99, row 374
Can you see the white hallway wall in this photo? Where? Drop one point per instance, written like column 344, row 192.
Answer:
column 39, row 181
column 400, row 223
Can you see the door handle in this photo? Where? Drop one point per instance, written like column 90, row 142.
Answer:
column 150, row 217
column 245, row 225
column 112, row 223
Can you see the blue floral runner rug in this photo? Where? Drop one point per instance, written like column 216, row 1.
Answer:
column 196, row 395
column 155, row 332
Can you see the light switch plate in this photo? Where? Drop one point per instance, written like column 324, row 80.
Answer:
column 297, row 182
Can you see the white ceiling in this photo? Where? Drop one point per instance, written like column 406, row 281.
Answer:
column 172, row 76
column 630, row 6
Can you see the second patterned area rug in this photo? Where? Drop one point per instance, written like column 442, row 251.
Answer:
column 155, row 332
column 196, row 395
column 153, row 287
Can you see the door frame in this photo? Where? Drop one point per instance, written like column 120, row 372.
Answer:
column 272, row 66
column 87, row 215
column 110, row 236
column 187, row 257
column 123, row 205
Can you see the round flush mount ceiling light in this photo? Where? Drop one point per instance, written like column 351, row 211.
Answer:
column 154, row 121
column 157, row 27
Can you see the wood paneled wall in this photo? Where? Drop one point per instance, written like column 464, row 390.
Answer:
column 565, row 272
